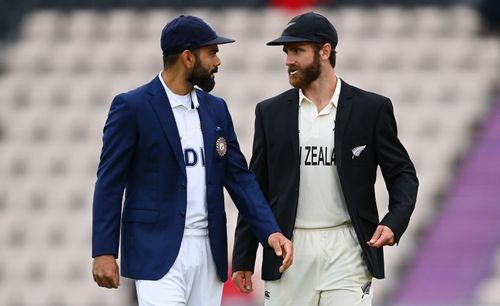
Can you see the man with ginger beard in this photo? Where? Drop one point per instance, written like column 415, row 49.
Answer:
column 173, row 148
column 315, row 154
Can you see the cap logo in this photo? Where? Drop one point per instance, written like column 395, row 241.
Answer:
column 289, row 25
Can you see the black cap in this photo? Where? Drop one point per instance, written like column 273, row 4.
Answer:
column 308, row 27
column 188, row 33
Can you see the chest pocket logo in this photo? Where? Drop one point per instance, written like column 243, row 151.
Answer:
column 357, row 151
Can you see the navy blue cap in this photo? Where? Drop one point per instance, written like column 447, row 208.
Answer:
column 308, row 27
column 188, row 33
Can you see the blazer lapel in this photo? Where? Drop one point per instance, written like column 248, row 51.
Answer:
column 290, row 117
column 161, row 106
column 208, row 130
column 342, row 119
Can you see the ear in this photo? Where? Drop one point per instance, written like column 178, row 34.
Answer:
column 188, row 58
column 325, row 51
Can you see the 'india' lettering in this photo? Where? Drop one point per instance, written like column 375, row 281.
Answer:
column 191, row 157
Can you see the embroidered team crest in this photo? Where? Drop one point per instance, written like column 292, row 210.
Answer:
column 221, row 146
column 357, row 151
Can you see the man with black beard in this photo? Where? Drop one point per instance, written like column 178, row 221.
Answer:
column 173, row 148
column 315, row 154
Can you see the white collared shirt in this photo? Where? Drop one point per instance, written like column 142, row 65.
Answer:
column 321, row 202
column 185, row 109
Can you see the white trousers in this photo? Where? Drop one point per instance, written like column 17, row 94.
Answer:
column 191, row 281
column 328, row 270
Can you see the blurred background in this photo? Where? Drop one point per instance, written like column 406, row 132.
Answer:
column 62, row 61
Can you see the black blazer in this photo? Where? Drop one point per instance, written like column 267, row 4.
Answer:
column 362, row 118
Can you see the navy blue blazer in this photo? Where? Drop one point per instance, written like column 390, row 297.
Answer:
column 142, row 154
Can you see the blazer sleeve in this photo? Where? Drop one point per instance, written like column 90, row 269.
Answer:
column 244, row 189
column 398, row 172
column 245, row 241
column 118, row 145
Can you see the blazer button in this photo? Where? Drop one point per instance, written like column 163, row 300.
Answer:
column 182, row 213
column 183, row 185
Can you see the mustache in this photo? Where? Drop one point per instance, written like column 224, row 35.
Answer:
column 215, row 70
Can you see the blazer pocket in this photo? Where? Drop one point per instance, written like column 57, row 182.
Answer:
column 140, row 215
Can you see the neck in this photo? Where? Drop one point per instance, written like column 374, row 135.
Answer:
column 176, row 82
column 321, row 90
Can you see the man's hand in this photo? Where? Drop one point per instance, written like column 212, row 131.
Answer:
column 105, row 271
column 282, row 247
column 383, row 236
column 243, row 281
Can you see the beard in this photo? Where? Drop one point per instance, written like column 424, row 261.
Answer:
column 202, row 77
column 304, row 77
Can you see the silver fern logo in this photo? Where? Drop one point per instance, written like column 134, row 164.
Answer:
column 357, row 151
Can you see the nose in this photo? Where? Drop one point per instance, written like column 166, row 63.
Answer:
column 217, row 61
column 289, row 59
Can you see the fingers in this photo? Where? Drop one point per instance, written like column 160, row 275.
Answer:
column 277, row 249
column 274, row 242
column 383, row 236
column 243, row 281
column 376, row 236
column 106, row 280
column 239, row 280
column 105, row 272
column 288, row 255
column 282, row 247
column 117, row 275
column 248, row 282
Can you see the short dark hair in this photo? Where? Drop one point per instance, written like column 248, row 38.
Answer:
column 170, row 59
column 333, row 54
